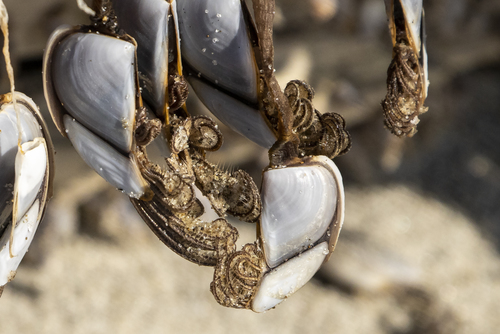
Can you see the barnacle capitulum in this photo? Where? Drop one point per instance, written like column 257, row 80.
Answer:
column 91, row 89
column 302, row 196
column 27, row 165
column 407, row 77
column 215, row 42
column 310, row 190
column 211, row 38
column 223, row 70
column 299, row 236
column 26, row 169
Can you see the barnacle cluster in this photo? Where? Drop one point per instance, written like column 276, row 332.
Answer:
column 186, row 200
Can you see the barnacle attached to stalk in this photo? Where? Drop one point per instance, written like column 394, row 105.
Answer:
column 222, row 56
column 26, row 170
column 92, row 90
column 302, row 197
column 407, row 76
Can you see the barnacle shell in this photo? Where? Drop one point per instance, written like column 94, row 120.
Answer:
column 301, row 203
column 415, row 24
column 423, row 59
column 93, row 78
column 215, row 42
column 147, row 22
column 119, row 170
column 25, row 181
column 23, row 236
column 407, row 77
column 303, row 212
column 8, row 151
column 283, row 281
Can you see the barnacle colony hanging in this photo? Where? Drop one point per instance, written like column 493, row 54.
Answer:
column 26, row 170
column 96, row 72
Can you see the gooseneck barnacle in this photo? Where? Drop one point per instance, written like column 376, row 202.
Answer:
column 299, row 210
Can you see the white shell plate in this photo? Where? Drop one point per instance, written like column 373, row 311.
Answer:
column 8, row 150
column 117, row 169
column 31, row 168
column 147, row 22
column 298, row 206
column 215, row 41
column 289, row 277
column 23, row 235
column 94, row 77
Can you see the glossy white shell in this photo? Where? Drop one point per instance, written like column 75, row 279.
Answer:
column 299, row 204
column 90, row 85
column 147, row 22
column 215, row 42
column 289, row 277
column 23, row 235
column 240, row 117
column 8, row 151
column 119, row 170
column 94, row 78
column 25, row 179
column 31, row 169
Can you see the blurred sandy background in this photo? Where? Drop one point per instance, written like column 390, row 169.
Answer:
column 419, row 252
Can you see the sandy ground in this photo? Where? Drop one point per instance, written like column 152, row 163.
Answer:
column 419, row 248
column 417, row 268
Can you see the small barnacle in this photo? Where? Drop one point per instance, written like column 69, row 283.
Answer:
column 407, row 73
